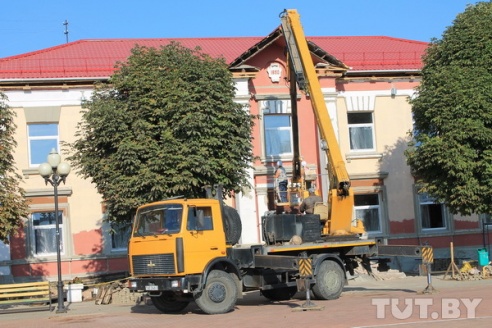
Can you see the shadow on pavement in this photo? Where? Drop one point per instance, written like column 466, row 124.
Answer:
column 249, row 299
column 363, row 289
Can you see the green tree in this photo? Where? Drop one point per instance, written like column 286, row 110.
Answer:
column 451, row 154
column 13, row 205
column 164, row 125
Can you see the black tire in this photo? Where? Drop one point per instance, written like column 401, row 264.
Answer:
column 279, row 294
column 219, row 295
column 330, row 280
column 233, row 226
column 167, row 303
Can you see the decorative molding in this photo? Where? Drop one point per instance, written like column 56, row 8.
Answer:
column 63, row 191
column 42, row 114
column 28, row 172
column 280, row 96
column 377, row 156
column 367, row 176
column 274, row 71
column 357, row 103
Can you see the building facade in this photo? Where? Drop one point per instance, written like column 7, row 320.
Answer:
column 366, row 81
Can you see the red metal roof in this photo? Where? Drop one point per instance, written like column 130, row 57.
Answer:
column 369, row 53
column 96, row 58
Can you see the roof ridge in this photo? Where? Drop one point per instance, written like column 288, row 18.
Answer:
column 368, row 36
column 173, row 38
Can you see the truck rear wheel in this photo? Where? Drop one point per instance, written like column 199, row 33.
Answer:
column 233, row 226
column 279, row 294
column 219, row 295
column 167, row 303
column 329, row 281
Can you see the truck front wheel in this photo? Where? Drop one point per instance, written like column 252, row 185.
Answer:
column 167, row 303
column 219, row 295
column 329, row 281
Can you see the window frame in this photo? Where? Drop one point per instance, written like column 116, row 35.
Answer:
column 431, row 201
column 486, row 218
column 279, row 108
column 361, row 125
column 116, row 228
column 379, row 208
column 47, row 137
column 62, row 229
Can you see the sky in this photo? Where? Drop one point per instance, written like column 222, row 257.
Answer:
column 32, row 25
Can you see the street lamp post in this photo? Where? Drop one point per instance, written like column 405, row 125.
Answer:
column 55, row 172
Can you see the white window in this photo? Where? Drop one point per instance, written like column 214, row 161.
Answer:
column 361, row 131
column 277, row 128
column 42, row 138
column 367, row 209
column 432, row 213
column 44, row 232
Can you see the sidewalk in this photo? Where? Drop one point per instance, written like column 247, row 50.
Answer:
column 354, row 308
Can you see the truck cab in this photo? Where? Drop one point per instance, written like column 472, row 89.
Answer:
column 173, row 224
column 174, row 246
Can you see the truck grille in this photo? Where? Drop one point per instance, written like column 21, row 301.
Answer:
column 153, row 264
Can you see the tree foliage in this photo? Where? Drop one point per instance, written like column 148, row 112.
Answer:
column 13, row 205
column 452, row 150
column 165, row 125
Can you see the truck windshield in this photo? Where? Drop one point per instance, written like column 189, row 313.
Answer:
column 163, row 219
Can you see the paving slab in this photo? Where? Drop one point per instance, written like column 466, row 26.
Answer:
column 365, row 302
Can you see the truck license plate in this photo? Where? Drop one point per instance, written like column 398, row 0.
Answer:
column 151, row 287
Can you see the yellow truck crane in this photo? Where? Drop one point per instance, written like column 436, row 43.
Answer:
column 302, row 75
column 183, row 250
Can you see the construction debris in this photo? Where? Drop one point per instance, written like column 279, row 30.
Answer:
column 470, row 271
column 487, row 271
column 372, row 270
column 116, row 293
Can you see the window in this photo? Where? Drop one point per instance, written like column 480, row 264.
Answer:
column 277, row 128
column 486, row 218
column 199, row 218
column 42, row 138
column 367, row 209
column 44, row 232
column 361, row 131
column 161, row 219
column 120, row 233
column 432, row 214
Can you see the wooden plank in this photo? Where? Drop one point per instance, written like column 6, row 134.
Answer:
column 109, row 295
column 27, row 301
column 30, row 294
column 26, row 284
column 23, row 289
column 25, row 293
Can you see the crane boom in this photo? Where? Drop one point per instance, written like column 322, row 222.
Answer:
column 340, row 198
